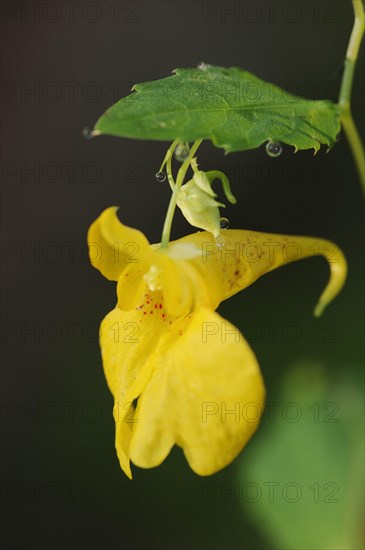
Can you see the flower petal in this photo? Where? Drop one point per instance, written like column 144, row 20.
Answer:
column 128, row 340
column 172, row 278
column 241, row 257
column 203, row 370
column 131, row 286
column 126, row 344
column 114, row 246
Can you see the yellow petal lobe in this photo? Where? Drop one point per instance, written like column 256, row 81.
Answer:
column 241, row 257
column 205, row 393
column 114, row 246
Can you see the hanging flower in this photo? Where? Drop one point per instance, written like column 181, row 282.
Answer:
column 176, row 368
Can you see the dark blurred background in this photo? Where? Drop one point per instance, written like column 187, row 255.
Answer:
column 62, row 65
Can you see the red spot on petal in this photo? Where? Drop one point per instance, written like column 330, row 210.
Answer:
column 160, row 306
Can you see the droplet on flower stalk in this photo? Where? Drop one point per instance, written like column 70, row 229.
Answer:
column 224, row 223
column 160, row 177
column 181, row 152
column 219, row 241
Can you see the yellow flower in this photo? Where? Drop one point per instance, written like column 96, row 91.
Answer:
column 197, row 382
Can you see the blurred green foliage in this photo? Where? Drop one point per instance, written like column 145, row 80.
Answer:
column 302, row 481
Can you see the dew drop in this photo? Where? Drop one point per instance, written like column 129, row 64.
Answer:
column 87, row 133
column 224, row 223
column 274, row 149
column 181, row 152
column 219, row 241
column 160, row 177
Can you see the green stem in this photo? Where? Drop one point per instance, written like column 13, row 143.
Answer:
column 356, row 144
column 168, row 163
column 347, row 120
column 170, row 177
column 172, row 205
column 169, row 153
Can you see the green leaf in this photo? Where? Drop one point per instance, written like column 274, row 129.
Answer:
column 231, row 107
column 302, row 479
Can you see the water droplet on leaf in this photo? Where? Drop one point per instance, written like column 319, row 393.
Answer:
column 224, row 223
column 274, row 149
column 160, row 177
column 181, row 152
column 203, row 66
